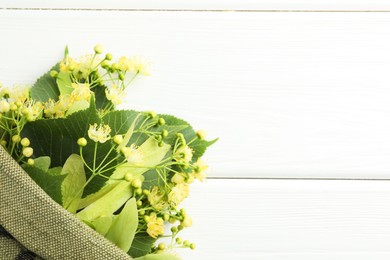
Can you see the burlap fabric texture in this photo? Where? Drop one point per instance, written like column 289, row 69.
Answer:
column 33, row 226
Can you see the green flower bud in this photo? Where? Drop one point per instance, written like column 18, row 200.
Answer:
column 201, row 134
column 137, row 183
column 179, row 240
column 27, row 152
column 174, row 229
column 152, row 114
column 139, row 203
column 186, row 243
column 164, row 133
column 129, row 177
column 30, row 162
column 98, row 49
column 25, row 142
column 108, row 56
column 161, row 121
column 192, row 246
column 161, row 246
column 53, row 74
column 16, row 139
column 115, row 66
column 121, row 76
column 118, row 139
column 82, row 142
column 3, row 143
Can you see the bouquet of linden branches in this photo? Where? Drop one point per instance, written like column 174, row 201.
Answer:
column 121, row 172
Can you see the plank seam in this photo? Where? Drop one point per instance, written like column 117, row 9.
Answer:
column 190, row 10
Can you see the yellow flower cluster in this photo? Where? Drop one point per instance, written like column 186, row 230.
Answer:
column 134, row 64
column 155, row 226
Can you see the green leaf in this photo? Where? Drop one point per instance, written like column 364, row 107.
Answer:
column 159, row 257
column 42, row 163
column 198, row 146
column 49, row 183
column 142, row 245
column 73, row 185
column 122, row 230
column 64, row 83
column 45, row 87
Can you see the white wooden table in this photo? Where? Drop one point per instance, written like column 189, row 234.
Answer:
column 297, row 91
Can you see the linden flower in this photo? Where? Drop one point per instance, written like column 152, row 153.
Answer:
column 85, row 65
column 4, row 92
column 4, row 106
column 133, row 155
column 32, row 110
column 19, row 94
column 68, row 65
column 178, row 193
column 62, row 105
column 155, row 226
column 183, row 154
column 49, row 108
column 99, row 133
column 114, row 94
column 81, row 91
column 199, row 168
column 135, row 64
column 155, row 198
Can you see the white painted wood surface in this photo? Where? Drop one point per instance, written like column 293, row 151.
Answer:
column 234, row 5
column 289, row 94
column 310, row 91
column 290, row 219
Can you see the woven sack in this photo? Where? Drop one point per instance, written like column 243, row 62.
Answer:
column 33, row 226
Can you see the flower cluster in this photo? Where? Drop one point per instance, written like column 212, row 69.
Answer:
column 123, row 173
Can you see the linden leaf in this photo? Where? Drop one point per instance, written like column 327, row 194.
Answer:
column 142, row 245
column 73, row 185
column 51, row 184
column 45, row 87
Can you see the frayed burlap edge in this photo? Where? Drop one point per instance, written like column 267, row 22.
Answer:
column 43, row 226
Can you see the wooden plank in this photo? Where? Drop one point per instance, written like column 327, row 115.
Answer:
column 253, row 5
column 289, row 94
column 286, row 219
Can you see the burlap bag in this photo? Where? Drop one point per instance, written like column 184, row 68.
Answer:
column 33, row 226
